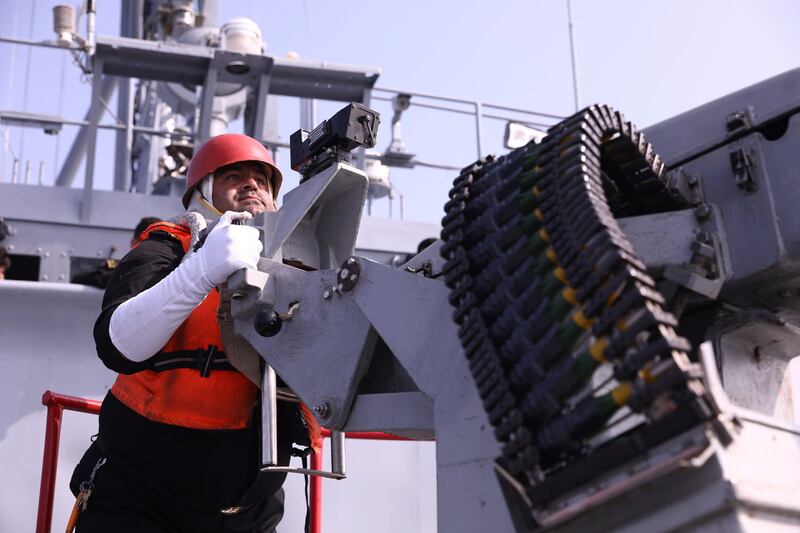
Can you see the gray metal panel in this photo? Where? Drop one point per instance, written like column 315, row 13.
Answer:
column 46, row 333
column 188, row 64
column 62, row 205
column 418, row 329
column 399, row 413
column 154, row 60
column 679, row 137
column 763, row 226
column 323, row 351
column 404, row 235
column 318, row 79
column 657, row 247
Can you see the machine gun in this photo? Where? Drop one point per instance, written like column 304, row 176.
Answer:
column 547, row 354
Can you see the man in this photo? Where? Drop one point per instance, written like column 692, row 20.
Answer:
column 178, row 446
column 144, row 223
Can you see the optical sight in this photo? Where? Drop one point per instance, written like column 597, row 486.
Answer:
column 332, row 141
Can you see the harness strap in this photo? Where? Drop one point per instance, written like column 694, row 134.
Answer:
column 204, row 360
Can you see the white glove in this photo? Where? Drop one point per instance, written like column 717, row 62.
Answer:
column 229, row 248
column 141, row 326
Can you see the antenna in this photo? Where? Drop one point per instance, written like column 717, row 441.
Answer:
column 572, row 55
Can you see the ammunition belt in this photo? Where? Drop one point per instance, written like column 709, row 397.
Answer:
column 546, row 289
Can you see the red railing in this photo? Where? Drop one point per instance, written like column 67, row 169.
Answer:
column 57, row 403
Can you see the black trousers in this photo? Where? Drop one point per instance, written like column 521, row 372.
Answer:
column 122, row 504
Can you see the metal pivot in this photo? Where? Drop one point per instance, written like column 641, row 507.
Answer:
column 269, row 436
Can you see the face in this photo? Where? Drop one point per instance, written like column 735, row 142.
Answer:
column 244, row 186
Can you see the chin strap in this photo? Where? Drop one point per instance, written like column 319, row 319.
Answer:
column 198, row 216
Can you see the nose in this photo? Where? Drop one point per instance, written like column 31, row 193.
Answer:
column 250, row 182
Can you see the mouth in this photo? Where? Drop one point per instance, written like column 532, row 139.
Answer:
column 250, row 199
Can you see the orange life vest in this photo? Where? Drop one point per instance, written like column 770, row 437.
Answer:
column 182, row 389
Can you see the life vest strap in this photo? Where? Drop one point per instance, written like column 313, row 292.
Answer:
column 204, row 360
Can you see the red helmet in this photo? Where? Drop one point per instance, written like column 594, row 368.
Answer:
column 227, row 149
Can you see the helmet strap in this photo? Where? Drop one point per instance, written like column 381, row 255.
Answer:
column 207, row 188
column 198, row 204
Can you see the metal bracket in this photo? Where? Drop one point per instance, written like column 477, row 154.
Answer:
column 742, row 163
column 323, row 351
column 319, row 220
column 703, row 273
column 269, row 436
column 739, row 121
column 396, row 154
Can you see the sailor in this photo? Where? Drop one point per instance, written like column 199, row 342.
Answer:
column 178, row 442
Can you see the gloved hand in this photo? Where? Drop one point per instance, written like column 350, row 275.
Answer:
column 228, row 248
column 142, row 325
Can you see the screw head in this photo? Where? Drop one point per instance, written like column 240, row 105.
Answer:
column 702, row 211
column 704, row 237
column 327, row 294
column 693, row 180
column 323, row 409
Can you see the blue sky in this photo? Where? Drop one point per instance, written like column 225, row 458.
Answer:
column 650, row 59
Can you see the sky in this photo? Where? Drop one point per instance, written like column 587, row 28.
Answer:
column 650, row 59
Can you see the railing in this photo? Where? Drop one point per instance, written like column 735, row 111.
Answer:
column 57, row 403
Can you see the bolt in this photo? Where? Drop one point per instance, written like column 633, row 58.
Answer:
column 327, row 294
column 339, row 287
column 100, row 253
column 38, row 249
column 323, row 409
column 47, row 254
column 704, row 237
column 353, row 277
column 351, row 261
column 702, row 211
column 63, row 254
column 62, row 276
column 696, row 199
column 693, row 181
column 11, row 247
column 343, row 273
column 45, row 277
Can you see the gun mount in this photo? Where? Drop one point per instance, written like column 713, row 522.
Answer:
column 552, row 340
